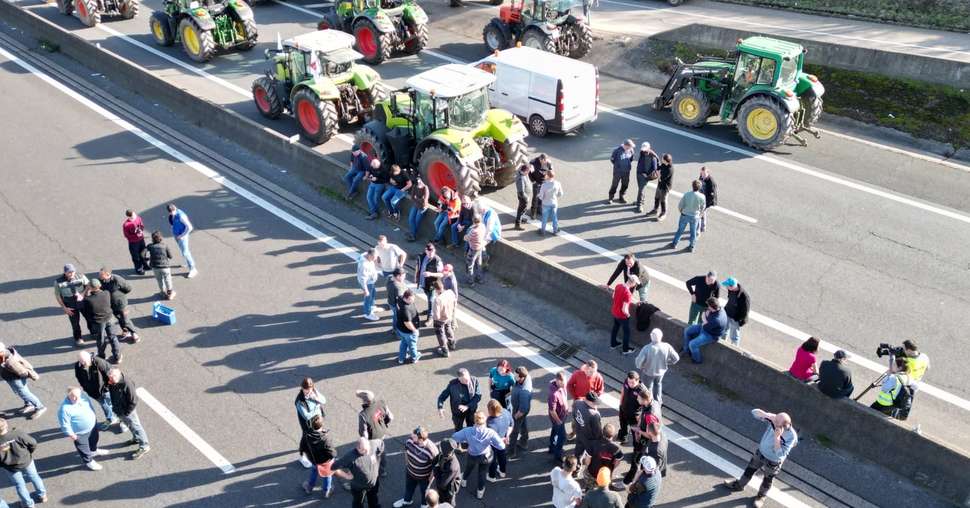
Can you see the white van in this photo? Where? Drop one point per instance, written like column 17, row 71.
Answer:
column 551, row 93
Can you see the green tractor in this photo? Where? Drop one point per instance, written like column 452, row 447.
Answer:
column 90, row 11
column 380, row 26
column 442, row 125
column 762, row 88
column 556, row 26
column 315, row 78
column 203, row 26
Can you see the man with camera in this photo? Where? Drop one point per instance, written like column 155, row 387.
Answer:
column 907, row 366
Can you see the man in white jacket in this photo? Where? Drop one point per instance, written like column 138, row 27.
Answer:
column 549, row 194
column 566, row 492
column 367, row 274
column 654, row 360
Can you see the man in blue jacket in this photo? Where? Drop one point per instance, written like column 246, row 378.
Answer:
column 181, row 227
column 622, row 160
column 77, row 419
column 359, row 165
column 521, row 398
column 696, row 336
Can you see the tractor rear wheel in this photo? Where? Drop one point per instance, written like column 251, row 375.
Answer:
column 161, row 26
column 764, row 122
column 329, row 20
column 371, row 42
column 440, row 168
column 196, row 42
column 537, row 39
column 373, row 145
column 65, row 7
column 690, row 107
column 496, row 35
column 267, row 100
column 513, row 155
column 582, row 40
column 418, row 41
column 247, row 27
column 128, row 8
column 88, row 12
column 317, row 119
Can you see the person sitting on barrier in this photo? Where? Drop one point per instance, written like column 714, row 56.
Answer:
column 804, row 368
column 834, row 378
column 696, row 336
column 895, row 396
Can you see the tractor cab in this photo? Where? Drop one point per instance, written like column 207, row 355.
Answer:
column 451, row 96
column 541, row 10
column 763, row 64
column 333, row 52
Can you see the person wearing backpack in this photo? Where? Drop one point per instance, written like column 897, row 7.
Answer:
column 895, row 396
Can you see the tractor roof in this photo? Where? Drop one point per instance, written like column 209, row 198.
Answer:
column 324, row 41
column 451, row 80
column 767, row 45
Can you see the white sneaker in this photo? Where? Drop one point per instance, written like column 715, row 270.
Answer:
column 192, row 273
column 122, row 427
column 401, row 502
column 94, row 466
column 371, row 317
column 480, row 494
column 377, row 308
column 464, row 483
column 100, row 453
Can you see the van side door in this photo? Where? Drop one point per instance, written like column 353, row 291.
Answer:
column 512, row 86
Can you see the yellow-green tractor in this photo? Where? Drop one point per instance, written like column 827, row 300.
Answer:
column 763, row 89
column 204, row 26
column 315, row 77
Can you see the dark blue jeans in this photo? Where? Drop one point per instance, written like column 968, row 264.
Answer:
column 414, row 220
column 617, row 324
column 410, row 483
column 352, row 180
column 374, row 193
column 391, row 197
column 557, row 438
column 440, row 226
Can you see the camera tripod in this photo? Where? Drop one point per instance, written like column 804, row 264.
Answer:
column 877, row 382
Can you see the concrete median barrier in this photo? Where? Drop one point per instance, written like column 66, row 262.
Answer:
column 847, row 425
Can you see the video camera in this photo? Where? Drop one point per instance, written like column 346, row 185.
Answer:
column 886, row 349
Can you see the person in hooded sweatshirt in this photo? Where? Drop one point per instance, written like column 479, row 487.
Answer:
column 17, row 457
column 446, row 473
column 317, row 445
column 480, row 440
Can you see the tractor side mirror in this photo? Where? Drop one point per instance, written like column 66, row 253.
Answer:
column 267, row 54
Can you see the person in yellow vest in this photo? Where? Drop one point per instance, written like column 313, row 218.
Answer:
column 916, row 363
column 896, row 380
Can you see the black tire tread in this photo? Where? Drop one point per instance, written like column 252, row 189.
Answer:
column 469, row 178
column 326, row 111
column 365, row 134
column 207, row 45
column 584, row 38
column 420, row 40
column 503, row 32
column 65, row 7
column 94, row 13
column 517, row 155
column 275, row 104
column 252, row 34
column 547, row 43
column 785, row 130
column 384, row 44
column 165, row 21
column 691, row 91
column 129, row 8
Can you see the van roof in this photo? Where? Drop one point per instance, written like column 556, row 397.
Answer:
column 536, row 60
column 451, row 80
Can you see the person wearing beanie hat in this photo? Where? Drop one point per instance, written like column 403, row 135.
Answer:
column 654, row 360
column 648, row 165
column 834, row 377
column 359, row 165
column 601, row 496
column 69, row 292
column 645, row 488
column 737, row 308
column 446, row 473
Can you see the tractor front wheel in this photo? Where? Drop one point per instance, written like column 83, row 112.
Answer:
column 418, row 40
column 690, row 107
column 373, row 145
column 813, row 110
column 196, row 42
column 581, row 40
column 267, row 100
column 764, row 122
column 317, row 119
column 371, row 42
column 247, row 28
column 88, row 12
column 513, row 155
column 129, row 8
column 161, row 26
column 440, row 168
column 537, row 39
column 65, row 7
column 496, row 35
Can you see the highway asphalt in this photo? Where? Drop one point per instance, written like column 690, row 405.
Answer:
column 851, row 243
column 270, row 306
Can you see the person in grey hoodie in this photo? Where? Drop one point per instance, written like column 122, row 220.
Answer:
column 521, row 398
column 654, row 360
column 622, row 161
column 523, row 190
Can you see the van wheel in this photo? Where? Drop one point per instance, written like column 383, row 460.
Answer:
column 538, row 126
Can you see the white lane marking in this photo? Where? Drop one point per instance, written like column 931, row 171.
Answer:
column 787, row 330
column 916, row 155
column 315, row 6
column 787, row 28
column 771, row 160
column 526, row 352
column 718, row 208
column 189, row 434
column 170, row 58
column 303, row 10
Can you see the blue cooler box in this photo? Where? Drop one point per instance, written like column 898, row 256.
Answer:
column 164, row 314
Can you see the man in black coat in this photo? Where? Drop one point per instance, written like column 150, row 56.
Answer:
column 648, row 165
column 116, row 286
column 317, row 445
column 123, row 402
column 464, row 395
column 709, row 188
column 17, row 457
column 446, row 474
column 92, row 374
column 540, row 166
column 834, row 378
column 737, row 308
column 104, row 329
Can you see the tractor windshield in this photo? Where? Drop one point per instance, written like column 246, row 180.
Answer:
column 468, row 111
column 551, row 10
column 789, row 68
